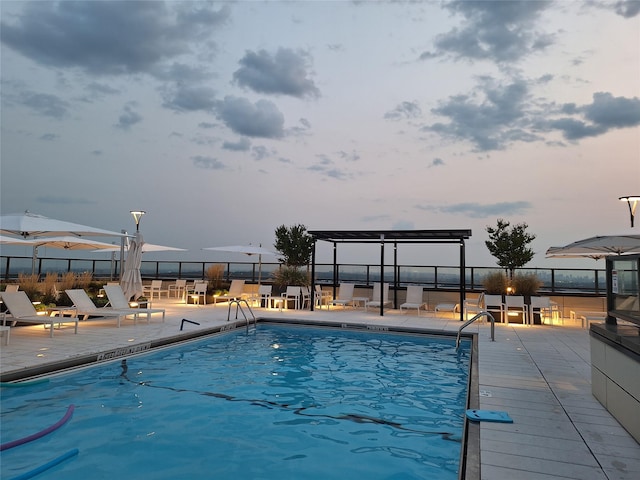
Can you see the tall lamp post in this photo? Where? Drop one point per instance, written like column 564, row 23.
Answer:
column 632, row 201
column 137, row 216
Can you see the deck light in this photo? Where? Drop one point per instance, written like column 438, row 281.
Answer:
column 137, row 215
column 632, row 201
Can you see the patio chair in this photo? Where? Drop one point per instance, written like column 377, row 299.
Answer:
column 305, row 297
column 414, row 299
column 473, row 307
column 118, row 301
column 493, row 304
column 345, row 295
column 198, row 291
column 155, row 288
column 85, row 307
column 321, row 297
column 545, row 307
column 264, row 295
column 178, row 288
column 515, row 303
column 235, row 292
column 22, row 310
column 12, row 287
column 375, row 297
column 292, row 293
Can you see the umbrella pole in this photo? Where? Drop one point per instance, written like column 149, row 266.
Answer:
column 259, row 269
column 34, row 257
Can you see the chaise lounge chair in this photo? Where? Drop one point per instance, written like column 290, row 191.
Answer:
column 22, row 310
column 86, row 308
column 414, row 298
column 375, row 297
column 118, row 301
column 235, row 292
column 345, row 295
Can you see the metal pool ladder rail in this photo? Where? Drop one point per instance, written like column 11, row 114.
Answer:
column 237, row 303
column 469, row 322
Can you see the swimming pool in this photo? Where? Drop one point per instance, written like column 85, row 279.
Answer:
column 275, row 402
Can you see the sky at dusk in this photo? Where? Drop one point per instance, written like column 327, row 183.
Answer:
column 224, row 120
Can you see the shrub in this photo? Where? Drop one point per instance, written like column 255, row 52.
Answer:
column 29, row 284
column 214, row 275
column 495, row 283
column 290, row 276
column 527, row 284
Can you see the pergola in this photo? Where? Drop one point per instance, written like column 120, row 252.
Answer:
column 392, row 237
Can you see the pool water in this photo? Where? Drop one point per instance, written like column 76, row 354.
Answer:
column 274, row 402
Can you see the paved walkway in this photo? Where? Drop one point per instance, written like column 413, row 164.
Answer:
column 541, row 375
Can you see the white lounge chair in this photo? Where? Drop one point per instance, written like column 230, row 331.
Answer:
column 375, row 297
column 345, row 295
column 118, row 301
column 22, row 310
column 414, row 299
column 85, row 307
column 235, row 292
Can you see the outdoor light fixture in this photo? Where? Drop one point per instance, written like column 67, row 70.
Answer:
column 137, row 215
column 632, row 201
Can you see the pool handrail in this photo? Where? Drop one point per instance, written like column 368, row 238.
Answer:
column 469, row 322
column 237, row 303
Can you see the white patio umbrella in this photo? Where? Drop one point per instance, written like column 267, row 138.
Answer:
column 131, row 281
column 146, row 247
column 6, row 240
column 31, row 226
column 247, row 250
column 598, row 247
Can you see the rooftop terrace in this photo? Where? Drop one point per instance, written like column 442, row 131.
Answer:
column 539, row 374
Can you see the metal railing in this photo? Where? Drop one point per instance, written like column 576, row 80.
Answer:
column 579, row 281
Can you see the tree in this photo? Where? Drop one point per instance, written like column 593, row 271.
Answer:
column 295, row 245
column 509, row 245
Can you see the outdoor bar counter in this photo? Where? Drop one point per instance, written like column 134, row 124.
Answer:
column 615, row 372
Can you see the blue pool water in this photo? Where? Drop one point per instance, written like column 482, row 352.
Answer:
column 278, row 402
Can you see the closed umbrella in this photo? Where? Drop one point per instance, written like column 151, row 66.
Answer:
column 131, row 281
column 247, row 250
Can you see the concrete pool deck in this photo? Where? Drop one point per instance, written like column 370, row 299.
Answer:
column 540, row 375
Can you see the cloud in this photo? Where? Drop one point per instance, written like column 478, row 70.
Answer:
column 242, row 145
column 44, row 104
column 436, row 162
column 190, row 99
column 605, row 113
column 105, row 37
column 493, row 30
column 491, row 117
column 49, row 137
column 478, row 210
column 404, row 110
column 285, row 73
column 260, row 119
column 207, row 163
column 627, row 8
column 129, row 118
